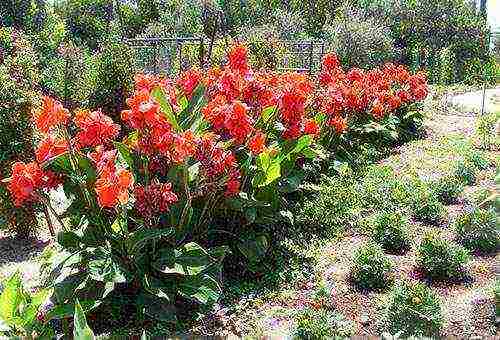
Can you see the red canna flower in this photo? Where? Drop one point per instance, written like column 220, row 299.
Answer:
column 25, row 180
column 154, row 199
column 257, row 143
column 50, row 148
column 95, row 128
column 311, row 127
column 189, row 81
column 330, row 62
column 237, row 122
column 51, row 114
column 112, row 187
column 103, row 160
column 238, row 60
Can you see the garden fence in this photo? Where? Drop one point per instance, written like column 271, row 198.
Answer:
column 174, row 55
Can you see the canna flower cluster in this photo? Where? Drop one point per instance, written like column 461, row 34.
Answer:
column 242, row 114
column 379, row 92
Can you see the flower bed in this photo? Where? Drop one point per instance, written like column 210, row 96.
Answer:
column 229, row 142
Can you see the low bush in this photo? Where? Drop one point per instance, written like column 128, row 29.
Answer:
column 321, row 324
column 425, row 204
column 440, row 258
column 413, row 310
column 477, row 230
column 371, row 269
column 447, row 188
column 466, row 171
column 382, row 190
column 487, row 127
column 332, row 208
column 391, row 231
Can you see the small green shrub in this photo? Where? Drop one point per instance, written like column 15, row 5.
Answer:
column 486, row 129
column 381, row 189
column 333, row 207
column 413, row 310
column 321, row 324
column 425, row 204
column 447, row 188
column 466, row 171
column 372, row 269
column 477, row 230
column 440, row 258
column 391, row 231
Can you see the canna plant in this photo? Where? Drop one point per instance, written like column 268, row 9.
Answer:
column 141, row 206
column 225, row 144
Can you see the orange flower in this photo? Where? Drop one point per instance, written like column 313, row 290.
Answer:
column 238, row 60
column 311, row 127
column 49, row 148
column 257, row 143
column 95, row 128
column 25, row 179
column 378, row 110
column 51, row 114
column 339, row 124
column 189, row 81
column 113, row 187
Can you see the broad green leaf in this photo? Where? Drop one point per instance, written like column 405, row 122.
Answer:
column 68, row 239
column 264, row 160
column 165, row 106
column 105, row 270
column 67, row 310
column 254, row 249
column 202, row 288
column 138, row 239
column 11, row 297
column 272, row 173
column 125, row 153
column 267, row 113
column 192, row 258
column 81, row 330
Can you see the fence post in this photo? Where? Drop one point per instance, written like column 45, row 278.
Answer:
column 311, row 46
column 157, row 57
column 202, row 53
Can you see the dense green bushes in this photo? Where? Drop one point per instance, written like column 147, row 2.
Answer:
column 114, row 78
column 413, row 310
column 391, row 230
column 477, row 230
column 360, row 42
column 371, row 269
column 18, row 82
column 441, row 259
